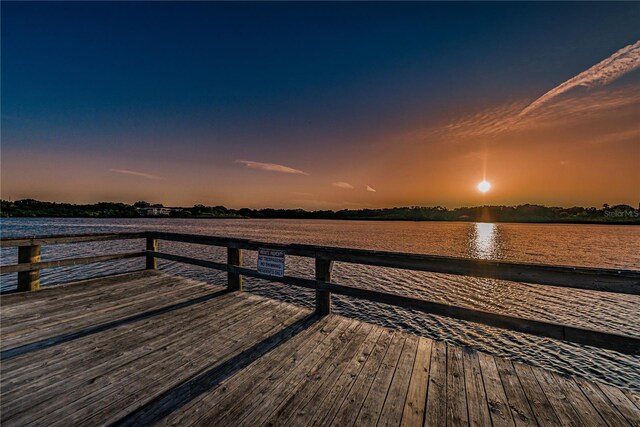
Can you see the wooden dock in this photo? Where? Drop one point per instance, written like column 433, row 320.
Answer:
column 149, row 348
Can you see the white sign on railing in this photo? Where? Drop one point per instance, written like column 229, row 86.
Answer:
column 271, row 262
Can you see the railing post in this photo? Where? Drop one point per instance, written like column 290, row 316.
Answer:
column 152, row 261
column 28, row 280
column 234, row 280
column 323, row 298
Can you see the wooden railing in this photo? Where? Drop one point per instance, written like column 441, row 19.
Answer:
column 595, row 279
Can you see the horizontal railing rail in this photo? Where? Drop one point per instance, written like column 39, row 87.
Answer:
column 597, row 279
column 68, row 262
column 69, row 238
column 29, row 254
column 594, row 279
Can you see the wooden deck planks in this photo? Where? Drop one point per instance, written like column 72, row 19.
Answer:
column 394, row 404
column 355, row 398
column 377, row 394
column 275, row 394
column 327, row 373
column 199, row 404
column 456, row 392
column 496, row 396
column 609, row 413
column 436, row 405
column 475, row 393
column 119, row 303
column 118, row 341
column 200, row 356
column 95, row 365
column 622, row 403
column 328, row 402
column 516, row 397
column 96, row 389
column 414, row 407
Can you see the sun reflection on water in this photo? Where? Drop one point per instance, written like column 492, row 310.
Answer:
column 484, row 241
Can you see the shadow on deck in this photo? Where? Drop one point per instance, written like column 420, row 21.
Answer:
column 148, row 347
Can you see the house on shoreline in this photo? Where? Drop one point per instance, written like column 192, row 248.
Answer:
column 157, row 211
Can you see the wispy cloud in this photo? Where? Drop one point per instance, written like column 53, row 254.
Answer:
column 344, row 185
column 615, row 137
column 371, row 189
column 604, row 72
column 562, row 111
column 270, row 167
column 135, row 173
column 551, row 109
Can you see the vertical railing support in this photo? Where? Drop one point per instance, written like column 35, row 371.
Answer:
column 28, row 280
column 234, row 280
column 152, row 261
column 323, row 298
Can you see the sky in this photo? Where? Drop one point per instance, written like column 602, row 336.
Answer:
column 321, row 105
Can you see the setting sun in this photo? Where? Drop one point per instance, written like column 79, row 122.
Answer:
column 484, row 186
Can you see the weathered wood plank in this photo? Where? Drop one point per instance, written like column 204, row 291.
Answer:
column 542, row 409
column 350, row 407
column 104, row 376
column 196, row 358
column 110, row 344
column 557, row 398
column 116, row 398
column 96, row 285
column 476, row 396
column 607, row 340
column 612, row 341
column 456, row 392
column 220, row 400
column 323, row 298
column 634, row 397
column 68, row 309
column 589, row 416
column 496, row 396
column 327, row 373
column 312, row 366
column 517, row 399
column 415, row 403
column 610, row 415
column 208, row 380
column 397, row 395
column 234, row 280
column 152, row 246
column 241, row 359
column 436, row 412
column 38, row 265
column 28, row 280
column 69, row 238
column 327, row 407
column 116, row 347
column 375, row 398
column 19, row 307
column 75, row 323
column 622, row 403
column 265, row 393
column 609, row 280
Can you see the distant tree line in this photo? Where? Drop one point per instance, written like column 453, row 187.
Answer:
column 521, row 213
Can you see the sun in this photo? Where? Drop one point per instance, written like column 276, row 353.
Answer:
column 484, row 186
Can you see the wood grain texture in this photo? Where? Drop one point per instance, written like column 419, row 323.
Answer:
column 149, row 348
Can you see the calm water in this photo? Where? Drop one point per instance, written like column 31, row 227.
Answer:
column 583, row 245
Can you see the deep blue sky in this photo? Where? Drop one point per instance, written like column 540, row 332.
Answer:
column 272, row 82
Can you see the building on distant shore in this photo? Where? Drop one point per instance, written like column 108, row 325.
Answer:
column 156, row 211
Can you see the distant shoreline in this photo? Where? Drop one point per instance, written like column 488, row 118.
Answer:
column 527, row 213
column 240, row 218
